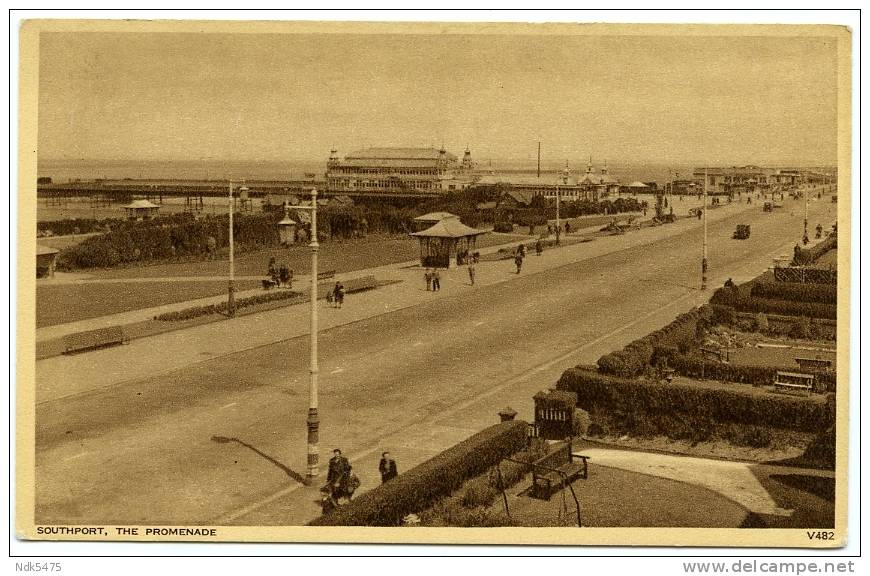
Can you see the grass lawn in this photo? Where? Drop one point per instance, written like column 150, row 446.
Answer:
column 783, row 358
column 58, row 304
column 618, row 498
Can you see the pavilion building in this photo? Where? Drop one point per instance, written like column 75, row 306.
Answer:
column 398, row 171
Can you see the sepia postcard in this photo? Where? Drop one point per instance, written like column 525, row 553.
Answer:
column 458, row 283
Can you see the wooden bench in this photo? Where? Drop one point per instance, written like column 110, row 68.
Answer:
column 93, row 339
column 556, row 470
column 360, row 284
column 794, row 381
column 326, row 275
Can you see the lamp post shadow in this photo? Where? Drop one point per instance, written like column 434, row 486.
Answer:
column 287, row 470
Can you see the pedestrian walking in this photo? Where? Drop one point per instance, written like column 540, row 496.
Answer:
column 387, row 467
column 428, row 276
column 338, row 482
column 518, row 260
column 338, row 294
column 471, row 271
column 567, row 227
column 539, row 248
column 436, row 280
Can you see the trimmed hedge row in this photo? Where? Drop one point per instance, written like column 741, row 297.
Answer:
column 69, row 226
column 803, row 257
column 678, row 336
column 796, row 291
column 421, row 486
column 221, row 308
column 664, row 405
column 732, row 297
column 696, row 367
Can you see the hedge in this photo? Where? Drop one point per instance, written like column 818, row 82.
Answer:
column 679, row 335
column 803, row 257
column 69, row 226
column 732, row 297
column 696, row 367
column 221, row 308
column 421, row 486
column 796, row 291
column 662, row 406
column 168, row 237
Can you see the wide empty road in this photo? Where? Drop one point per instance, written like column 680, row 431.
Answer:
column 197, row 443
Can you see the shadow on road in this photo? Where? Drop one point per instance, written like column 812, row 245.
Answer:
column 289, row 471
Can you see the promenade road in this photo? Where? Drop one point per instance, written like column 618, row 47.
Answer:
column 128, row 435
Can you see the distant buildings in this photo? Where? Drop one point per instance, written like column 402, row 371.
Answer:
column 521, row 188
column 740, row 179
column 398, row 171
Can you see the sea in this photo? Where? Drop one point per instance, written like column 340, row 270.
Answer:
column 70, row 170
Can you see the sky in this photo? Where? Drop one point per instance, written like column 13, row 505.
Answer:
column 657, row 99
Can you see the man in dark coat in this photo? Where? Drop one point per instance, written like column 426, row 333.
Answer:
column 339, row 473
column 387, row 467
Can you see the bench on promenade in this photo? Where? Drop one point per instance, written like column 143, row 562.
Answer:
column 93, row 339
column 360, row 284
column 557, row 470
column 794, row 381
column 325, row 275
column 814, row 364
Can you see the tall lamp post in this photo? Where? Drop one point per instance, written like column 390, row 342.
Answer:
column 806, row 216
column 704, row 257
column 313, row 422
column 231, row 296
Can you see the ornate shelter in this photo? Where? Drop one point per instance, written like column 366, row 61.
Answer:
column 446, row 243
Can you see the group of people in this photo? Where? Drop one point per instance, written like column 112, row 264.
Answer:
column 433, row 280
column 280, row 275
column 342, row 482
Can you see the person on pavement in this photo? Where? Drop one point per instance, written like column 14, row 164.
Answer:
column 387, row 467
column 436, row 280
column 338, row 475
column 471, row 271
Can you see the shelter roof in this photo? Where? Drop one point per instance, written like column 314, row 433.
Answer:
column 141, row 204
column 41, row 250
column 434, row 217
column 449, row 228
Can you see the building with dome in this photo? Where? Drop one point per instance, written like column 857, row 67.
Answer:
column 398, row 172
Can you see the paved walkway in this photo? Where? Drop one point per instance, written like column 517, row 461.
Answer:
column 407, row 271
column 738, row 481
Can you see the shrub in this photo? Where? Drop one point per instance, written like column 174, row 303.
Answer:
column 796, row 291
column 662, row 405
column 678, row 336
column 730, row 297
column 421, row 486
column 800, row 329
column 503, row 227
column 761, row 324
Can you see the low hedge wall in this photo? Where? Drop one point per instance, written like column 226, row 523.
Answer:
column 732, row 297
column 421, row 486
column 802, row 256
column 679, row 335
column 665, row 406
column 695, row 367
column 796, row 291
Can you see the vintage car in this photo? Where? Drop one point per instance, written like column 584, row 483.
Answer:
column 742, row 232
